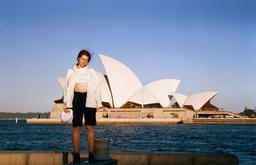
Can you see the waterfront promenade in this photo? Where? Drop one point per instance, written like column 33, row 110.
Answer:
column 110, row 121
column 152, row 121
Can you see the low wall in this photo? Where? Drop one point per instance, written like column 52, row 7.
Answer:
column 123, row 158
column 31, row 158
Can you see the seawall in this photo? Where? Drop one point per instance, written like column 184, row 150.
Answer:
column 152, row 121
column 113, row 121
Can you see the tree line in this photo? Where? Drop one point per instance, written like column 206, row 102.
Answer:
column 19, row 115
column 248, row 112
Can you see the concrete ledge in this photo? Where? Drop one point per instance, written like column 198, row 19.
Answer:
column 193, row 159
column 45, row 158
column 13, row 158
column 150, row 121
column 123, row 158
column 128, row 158
column 43, row 121
column 30, row 158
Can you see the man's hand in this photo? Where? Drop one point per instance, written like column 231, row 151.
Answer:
column 65, row 109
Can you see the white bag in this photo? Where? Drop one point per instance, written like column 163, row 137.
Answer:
column 65, row 117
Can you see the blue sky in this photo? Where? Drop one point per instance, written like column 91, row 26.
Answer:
column 208, row 44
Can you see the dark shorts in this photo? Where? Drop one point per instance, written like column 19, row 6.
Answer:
column 80, row 111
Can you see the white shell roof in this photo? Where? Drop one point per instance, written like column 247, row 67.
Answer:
column 105, row 91
column 123, row 82
column 198, row 100
column 180, row 98
column 162, row 88
column 143, row 96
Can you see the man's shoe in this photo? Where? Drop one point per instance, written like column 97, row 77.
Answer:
column 76, row 158
column 91, row 157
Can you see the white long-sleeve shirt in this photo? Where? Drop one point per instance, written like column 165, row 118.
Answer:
column 83, row 75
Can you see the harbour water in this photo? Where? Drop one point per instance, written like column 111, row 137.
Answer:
column 236, row 139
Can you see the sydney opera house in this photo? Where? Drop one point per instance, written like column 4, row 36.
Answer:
column 124, row 96
column 121, row 88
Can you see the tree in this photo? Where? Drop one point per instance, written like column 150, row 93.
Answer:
column 248, row 112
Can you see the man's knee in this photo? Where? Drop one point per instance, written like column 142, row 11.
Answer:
column 76, row 129
column 89, row 128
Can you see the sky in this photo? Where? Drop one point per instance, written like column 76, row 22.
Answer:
column 210, row 45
